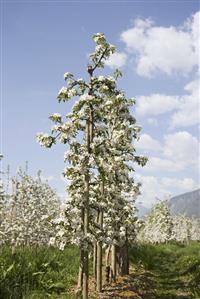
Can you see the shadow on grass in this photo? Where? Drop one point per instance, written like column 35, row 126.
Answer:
column 158, row 273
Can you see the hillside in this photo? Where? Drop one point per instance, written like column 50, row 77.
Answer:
column 187, row 203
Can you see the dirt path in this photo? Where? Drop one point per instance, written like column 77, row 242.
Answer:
column 163, row 282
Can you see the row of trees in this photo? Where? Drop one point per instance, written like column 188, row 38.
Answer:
column 159, row 226
column 99, row 133
column 30, row 216
column 27, row 211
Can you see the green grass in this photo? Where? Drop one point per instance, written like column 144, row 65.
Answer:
column 175, row 268
column 37, row 273
column 172, row 271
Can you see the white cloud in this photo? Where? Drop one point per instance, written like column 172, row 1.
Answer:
column 183, row 185
column 188, row 113
column 185, row 109
column 154, row 188
column 157, row 164
column 178, row 151
column 146, row 142
column 151, row 190
column 182, row 148
column 156, row 104
column 166, row 49
column 116, row 60
column 152, row 121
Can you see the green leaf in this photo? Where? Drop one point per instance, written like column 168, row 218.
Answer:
column 117, row 73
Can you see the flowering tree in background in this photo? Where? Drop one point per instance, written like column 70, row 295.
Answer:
column 185, row 229
column 159, row 226
column 99, row 132
column 28, row 212
column 2, row 205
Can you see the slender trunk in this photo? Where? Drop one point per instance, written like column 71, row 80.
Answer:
column 124, row 258
column 127, row 253
column 85, row 251
column 86, row 219
column 95, row 256
column 107, row 274
column 99, row 256
column 89, row 139
column 86, row 227
column 80, row 274
column 113, row 263
column 95, row 260
column 85, row 275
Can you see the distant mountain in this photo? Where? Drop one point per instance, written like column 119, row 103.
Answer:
column 142, row 211
column 187, row 203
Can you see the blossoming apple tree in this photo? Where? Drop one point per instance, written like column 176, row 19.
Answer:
column 28, row 211
column 160, row 226
column 99, row 133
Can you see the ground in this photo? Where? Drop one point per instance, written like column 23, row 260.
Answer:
column 168, row 271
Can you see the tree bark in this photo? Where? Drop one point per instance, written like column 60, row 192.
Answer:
column 123, row 261
column 80, row 274
column 86, row 219
column 124, row 258
column 113, row 264
column 95, row 256
column 99, row 256
column 107, row 274
column 95, row 260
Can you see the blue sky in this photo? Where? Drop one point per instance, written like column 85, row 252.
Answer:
column 158, row 55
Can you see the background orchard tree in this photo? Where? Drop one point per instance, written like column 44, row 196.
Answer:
column 99, row 133
column 157, row 226
column 185, row 229
column 29, row 210
column 2, row 204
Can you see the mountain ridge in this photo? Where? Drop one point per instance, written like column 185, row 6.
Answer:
column 187, row 203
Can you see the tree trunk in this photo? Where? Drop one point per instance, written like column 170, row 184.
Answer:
column 99, row 256
column 89, row 139
column 95, row 260
column 95, row 256
column 86, row 219
column 107, row 274
column 127, row 254
column 124, row 258
column 80, row 274
column 85, row 275
column 86, row 227
column 113, row 263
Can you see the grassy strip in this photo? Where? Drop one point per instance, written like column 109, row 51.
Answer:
column 43, row 272
column 37, row 272
column 176, row 268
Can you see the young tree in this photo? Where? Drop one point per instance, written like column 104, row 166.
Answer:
column 99, row 133
column 185, row 229
column 2, row 206
column 31, row 207
column 158, row 225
